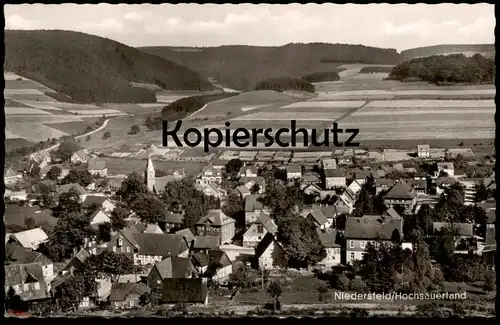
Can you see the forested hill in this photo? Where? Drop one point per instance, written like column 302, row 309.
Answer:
column 487, row 50
column 242, row 67
column 93, row 69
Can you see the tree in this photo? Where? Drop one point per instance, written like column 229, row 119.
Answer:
column 240, row 278
column 481, row 192
column 489, row 281
column 132, row 187
column 111, row 265
column 134, row 129
column 104, row 233
column 54, row 173
column 234, row 166
column 255, row 189
column 67, row 149
column 88, row 138
column 442, row 246
column 47, row 194
column 14, row 302
column 78, row 176
column 274, row 291
column 118, row 216
column 300, row 241
column 149, row 208
column 106, row 135
column 234, row 207
column 30, row 223
column 69, row 202
column 322, row 290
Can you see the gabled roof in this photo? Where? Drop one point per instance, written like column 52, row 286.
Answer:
column 21, row 255
column 153, row 229
column 268, row 223
column 9, row 172
column 120, row 291
column 80, row 154
column 175, row 268
column 259, row 180
column 402, row 190
column 96, row 164
column 186, row 233
column 219, row 257
column 31, row 238
column 66, row 187
column 329, row 211
column 419, row 184
column 311, row 177
column 252, row 203
column 442, row 181
column 490, row 237
column 253, row 230
column 19, row 274
column 462, row 229
column 392, row 214
column 328, row 237
column 264, row 244
column 318, row 216
column 243, row 190
column 129, row 235
column 165, row 245
column 362, row 175
column 94, row 214
column 207, row 242
column 200, row 259
column 422, row 147
column 216, row 218
column 445, row 165
column 384, row 182
column 175, row 218
column 184, row 290
column 94, row 199
column 253, row 169
column 371, row 227
column 338, row 172
column 294, row 169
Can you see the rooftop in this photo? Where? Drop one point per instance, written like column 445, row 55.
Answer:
column 371, row 227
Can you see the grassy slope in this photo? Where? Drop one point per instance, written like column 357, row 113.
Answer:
column 90, row 68
column 241, row 67
column 445, row 49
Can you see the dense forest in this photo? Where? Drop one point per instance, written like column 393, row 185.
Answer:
column 376, row 69
column 242, row 67
column 322, row 76
column 456, row 68
column 183, row 107
column 93, row 69
column 285, row 83
column 487, row 49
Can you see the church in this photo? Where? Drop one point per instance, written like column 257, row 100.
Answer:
column 157, row 184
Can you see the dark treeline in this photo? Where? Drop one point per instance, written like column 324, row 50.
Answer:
column 447, row 48
column 456, row 68
column 182, row 108
column 93, row 69
column 376, row 69
column 322, row 76
column 285, row 83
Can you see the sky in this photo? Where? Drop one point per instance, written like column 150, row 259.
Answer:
column 400, row 26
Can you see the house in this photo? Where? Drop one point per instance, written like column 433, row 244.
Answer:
column 200, row 261
column 251, row 182
column 489, row 207
column 11, row 176
column 293, row 172
column 220, row 266
column 310, row 178
column 74, row 263
column 334, row 178
column 268, row 223
column 170, row 268
column 153, row 229
column 219, row 164
column 30, row 239
column 205, row 243
column 21, row 195
column 362, row 176
column 211, row 190
column 99, row 217
column 41, row 156
column 97, row 167
column 490, row 246
column 310, row 189
column 378, row 174
column 368, row 229
column 423, row 151
column 254, row 234
column 157, row 184
column 210, row 175
column 171, row 221
column 382, row 185
column 249, row 171
column 102, row 202
column 21, row 255
column 184, row 291
column 333, row 250
column 420, row 176
column 242, row 191
column 79, row 157
column 27, row 281
column 328, row 163
column 443, row 183
column 114, row 184
column 153, row 248
column 318, row 218
column 402, row 195
column 216, row 223
column 459, row 229
column 330, row 212
column 127, row 295
column 344, row 203
column 445, row 167
column 420, row 186
column 187, row 234
column 253, row 208
column 269, row 253
column 344, row 161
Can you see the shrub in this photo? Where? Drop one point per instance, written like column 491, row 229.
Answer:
column 106, row 135
column 359, row 313
column 87, row 138
column 342, row 283
column 358, row 285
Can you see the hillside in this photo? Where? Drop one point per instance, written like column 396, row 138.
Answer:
column 485, row 49
column 93, row 69
column 456, row 68
column 242, row 67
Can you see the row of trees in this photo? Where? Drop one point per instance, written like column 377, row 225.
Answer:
column 284, row 84
column 322, row 76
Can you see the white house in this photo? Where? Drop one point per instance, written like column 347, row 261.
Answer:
column 333, row 250
column 222, row 264
column 101, row 201
column 29, row 238
column 334, row 178
column 97, row 167
column 210, row 175
column 99, row 217
column 249, row 171
column 211, row 190
column 253, row 208
column 310, row 189
column 254, row 234
column 294, row 172
column 423, row 151
column 250, row 182
column 269, row 253
column 446, row 167
column 80, row 156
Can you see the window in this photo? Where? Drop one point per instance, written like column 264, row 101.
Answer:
column 120, row 242
column 158, row 281
column 122, row 249
column 352, row 256
column 363, row 244
column 114, row 249
column 128, row 249
column 351, row 244
column 15, row 287
column 26, row 286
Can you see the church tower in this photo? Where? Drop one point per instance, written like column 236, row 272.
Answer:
column 150, row 175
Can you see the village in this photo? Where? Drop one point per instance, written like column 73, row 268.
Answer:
column 122, row 242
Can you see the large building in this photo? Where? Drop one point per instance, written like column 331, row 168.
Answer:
column 157, row 184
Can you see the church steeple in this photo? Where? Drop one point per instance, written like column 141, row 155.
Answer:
column 150, row 175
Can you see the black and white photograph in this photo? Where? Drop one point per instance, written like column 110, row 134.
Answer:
column 249, row 160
